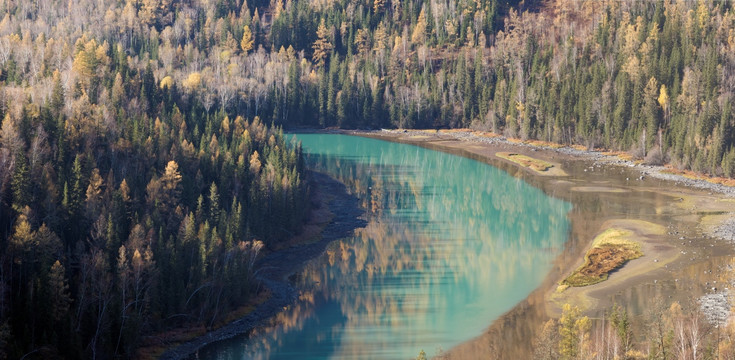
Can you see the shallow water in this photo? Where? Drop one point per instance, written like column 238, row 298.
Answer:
column 451, row 244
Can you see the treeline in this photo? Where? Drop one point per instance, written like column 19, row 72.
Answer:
column 663, row 332
column 655, row 78
column 652, row 77
column 128, row 206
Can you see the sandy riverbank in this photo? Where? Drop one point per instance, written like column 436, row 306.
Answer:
column 685, row 227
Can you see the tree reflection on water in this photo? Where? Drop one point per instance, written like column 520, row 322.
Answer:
column 450, row 245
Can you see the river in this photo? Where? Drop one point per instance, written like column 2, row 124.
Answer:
column 450, row 245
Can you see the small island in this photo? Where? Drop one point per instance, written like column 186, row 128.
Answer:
column 609, row 251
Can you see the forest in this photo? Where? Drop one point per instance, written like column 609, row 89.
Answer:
column 128, row 206
column 143, row 164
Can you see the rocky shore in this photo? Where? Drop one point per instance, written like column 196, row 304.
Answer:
column 726, row 230
column 659, row 172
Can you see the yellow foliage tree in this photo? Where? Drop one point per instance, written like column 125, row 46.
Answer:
column 277, row 8
column 255, row 163
column 321, row 46
column 663, row 100
column 148, row 12
column 171, row 177
column 88, row 56
column 663, row 97
column 378, row 6
column 573, row 331
column 94, row 191
column 419, row 31
column 167, row 82
column 247, row 39
column 193, row 81
column 380, row 37
column 362, row 41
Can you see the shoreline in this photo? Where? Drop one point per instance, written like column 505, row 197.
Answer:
column 677, row 198
column 280, row 264
column 661, row 172
column 483, row 148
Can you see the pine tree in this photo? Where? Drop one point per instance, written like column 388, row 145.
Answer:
column 21, row 183
column 59, row 292
column 651, row 113
column 57, row 95
column 76, row 193
column 214, row 206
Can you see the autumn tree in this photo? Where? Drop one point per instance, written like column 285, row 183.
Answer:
column 573, row 332
column 94, row 193
column 246, row 44
column 362, row 41
column 418, row 36
column 322, row 46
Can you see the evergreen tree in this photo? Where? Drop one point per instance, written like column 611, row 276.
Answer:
column 21, row 183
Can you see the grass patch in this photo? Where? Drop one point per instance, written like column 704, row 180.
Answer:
column 526, row 161
column 610, row 250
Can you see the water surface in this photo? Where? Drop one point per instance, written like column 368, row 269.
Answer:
column 451, row 244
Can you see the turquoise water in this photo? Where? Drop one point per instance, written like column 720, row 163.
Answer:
column 451, row 244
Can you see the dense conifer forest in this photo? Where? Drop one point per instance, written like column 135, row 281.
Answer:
column 129, row 203
column 143, row 165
